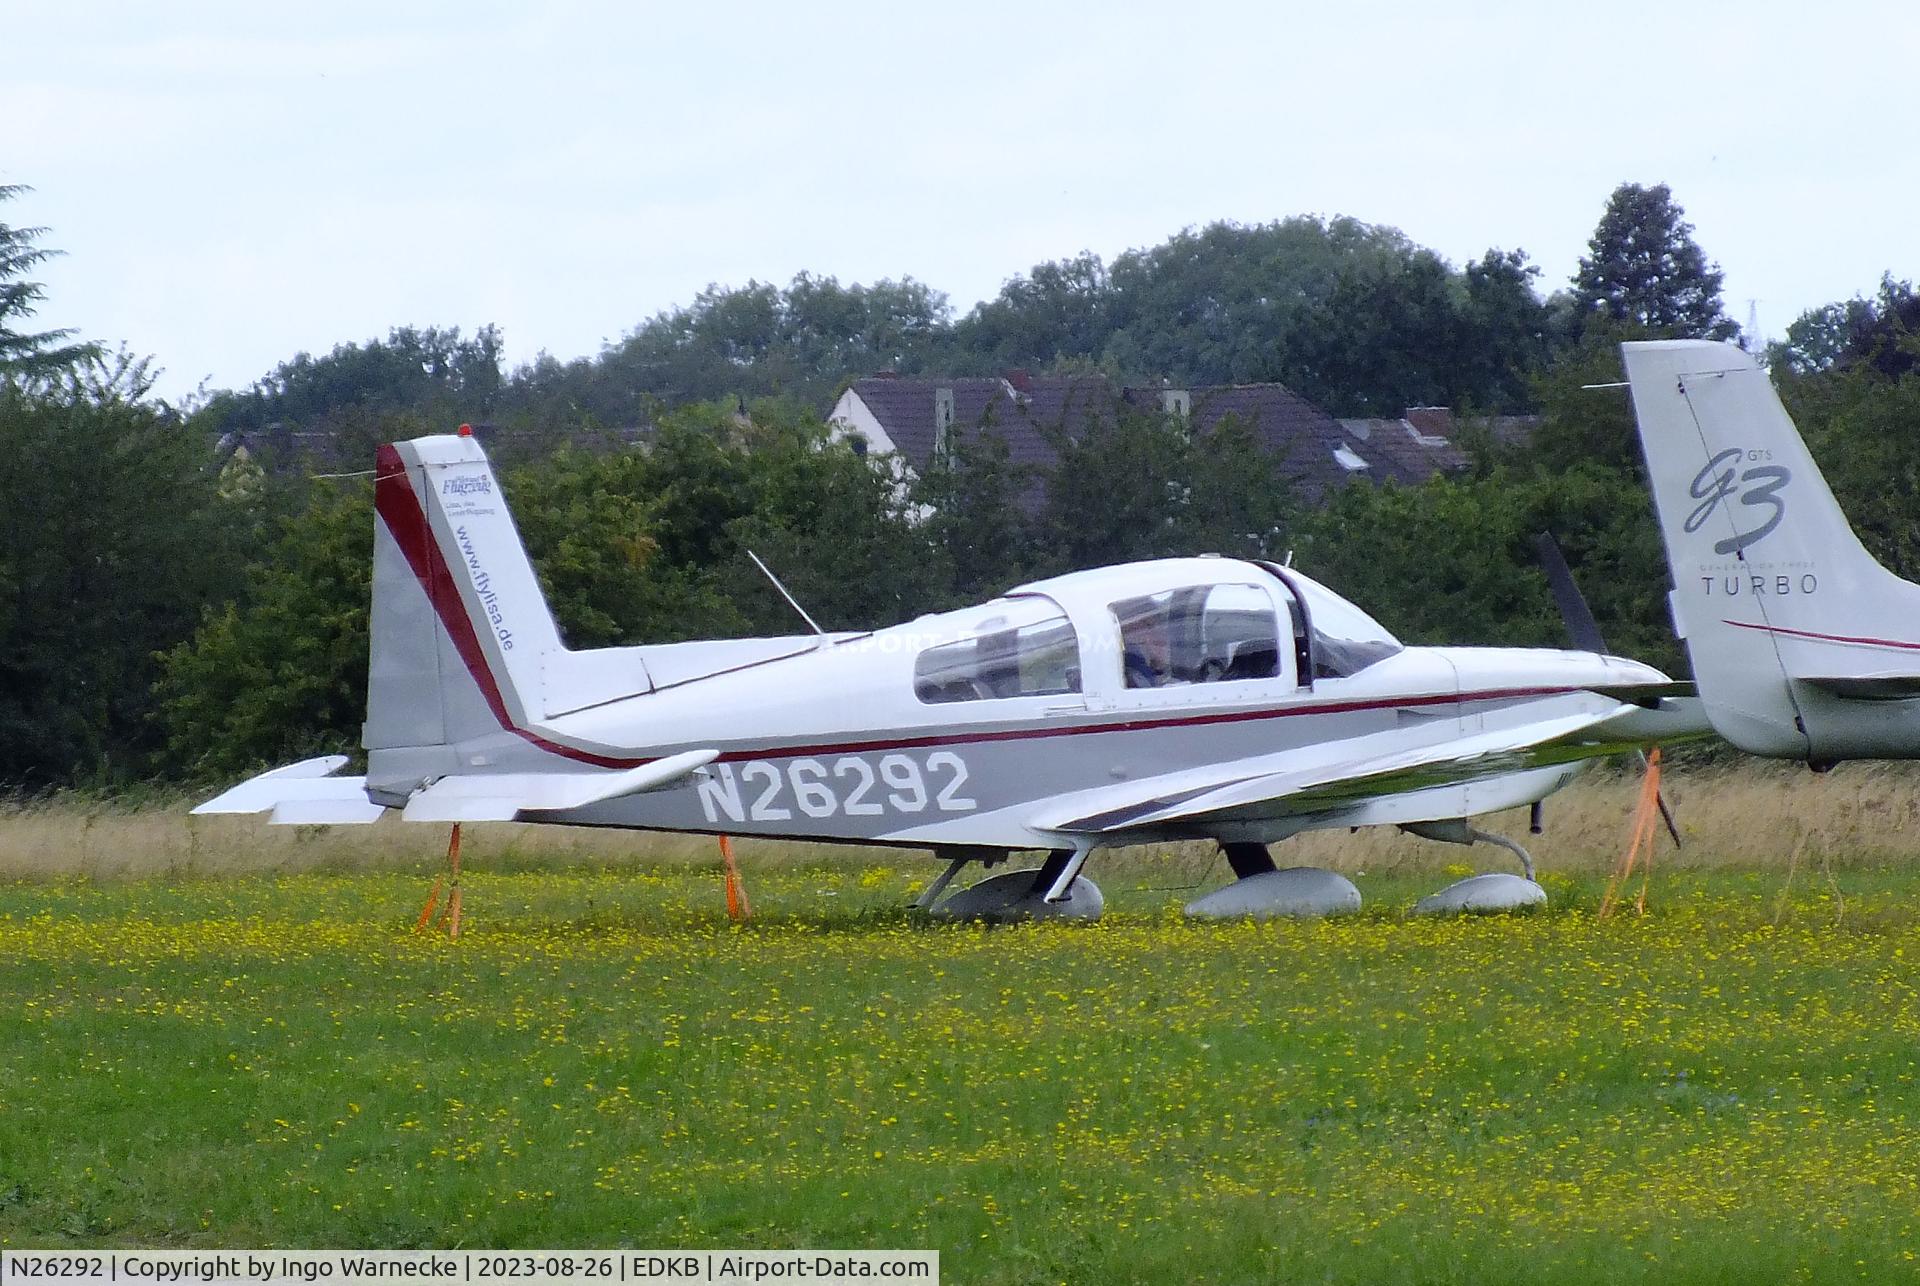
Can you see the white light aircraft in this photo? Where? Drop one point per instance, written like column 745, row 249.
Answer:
column 1179, row 699
column 1803, row 646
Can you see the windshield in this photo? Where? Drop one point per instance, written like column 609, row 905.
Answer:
column 1345, row 639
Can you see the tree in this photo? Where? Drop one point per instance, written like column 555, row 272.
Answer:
column 975, row 517
column 1142, row 484
column 24, row 352
column 1883, row 332
column 1352, row 315
column 435, row 374
column 113, row 539
column 1644, row 269
column 1858, row 424
column 1058, row 310
column 281, row 673
column 1508, row 335
column 758, row 340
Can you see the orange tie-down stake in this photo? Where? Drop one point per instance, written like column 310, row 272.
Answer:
column 451, row 915
column 737, row 908
column 1644, row 816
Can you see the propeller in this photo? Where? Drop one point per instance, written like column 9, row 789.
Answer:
column 1584, row 630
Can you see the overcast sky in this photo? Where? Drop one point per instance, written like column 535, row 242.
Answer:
column 236, row 182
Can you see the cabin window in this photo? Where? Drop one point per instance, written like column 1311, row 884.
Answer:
column 1002, row 658
column 1206, row 634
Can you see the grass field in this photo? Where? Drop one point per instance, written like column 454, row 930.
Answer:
column 246, row 1045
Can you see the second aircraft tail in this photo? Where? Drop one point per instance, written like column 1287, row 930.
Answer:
column 1803, row 645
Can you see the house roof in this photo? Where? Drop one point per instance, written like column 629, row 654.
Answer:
column 1316, row 451
column 1404, row 451
column 1304, row 438
column 905, row 409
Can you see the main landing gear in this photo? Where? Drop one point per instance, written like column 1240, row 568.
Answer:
column 1056, row 890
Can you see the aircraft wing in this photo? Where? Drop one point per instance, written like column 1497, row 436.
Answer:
column 1321, row 779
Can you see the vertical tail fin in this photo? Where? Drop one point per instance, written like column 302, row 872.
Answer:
column 1780, row 605
column 459, row 626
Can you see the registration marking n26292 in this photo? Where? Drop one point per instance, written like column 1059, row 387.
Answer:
column 769, row 790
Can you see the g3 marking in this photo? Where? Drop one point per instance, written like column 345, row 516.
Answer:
column 1715, row 483
column 854, row 785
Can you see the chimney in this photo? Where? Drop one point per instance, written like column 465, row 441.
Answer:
column 942, row 420
column 1019, row 378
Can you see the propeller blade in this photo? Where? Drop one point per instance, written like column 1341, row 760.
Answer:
column 1585, row 632
column 1581, row 627
column 1660, row 798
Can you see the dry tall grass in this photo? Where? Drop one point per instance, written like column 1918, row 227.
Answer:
column 1748, row 814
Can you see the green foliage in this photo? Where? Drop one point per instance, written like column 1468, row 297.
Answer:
column 1454, row 561
column 282, row 673
column 1350, row 315
column 1643, row 268
column 600, row 554
column 254, row 587
column 1057, row 310
column 113, row 537
column 630, row 546
column 761, row 340
column 1141, row 484
column 1881, row 332
column 1859, row 425
column 435, row 374
column 975, row 516
column 28, row 353
column 1441, row 563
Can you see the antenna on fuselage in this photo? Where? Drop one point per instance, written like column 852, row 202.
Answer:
column 792, row 602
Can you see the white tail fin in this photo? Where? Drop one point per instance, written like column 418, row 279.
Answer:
column 463, row 645
column 1802, row 644
column 459, row 624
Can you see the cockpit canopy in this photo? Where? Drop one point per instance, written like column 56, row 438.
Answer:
column 1170, row 623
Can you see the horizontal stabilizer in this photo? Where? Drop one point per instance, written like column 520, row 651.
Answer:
column 1646, row 694
column 500, row 797
column 302, row 794
column 1673, row 719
